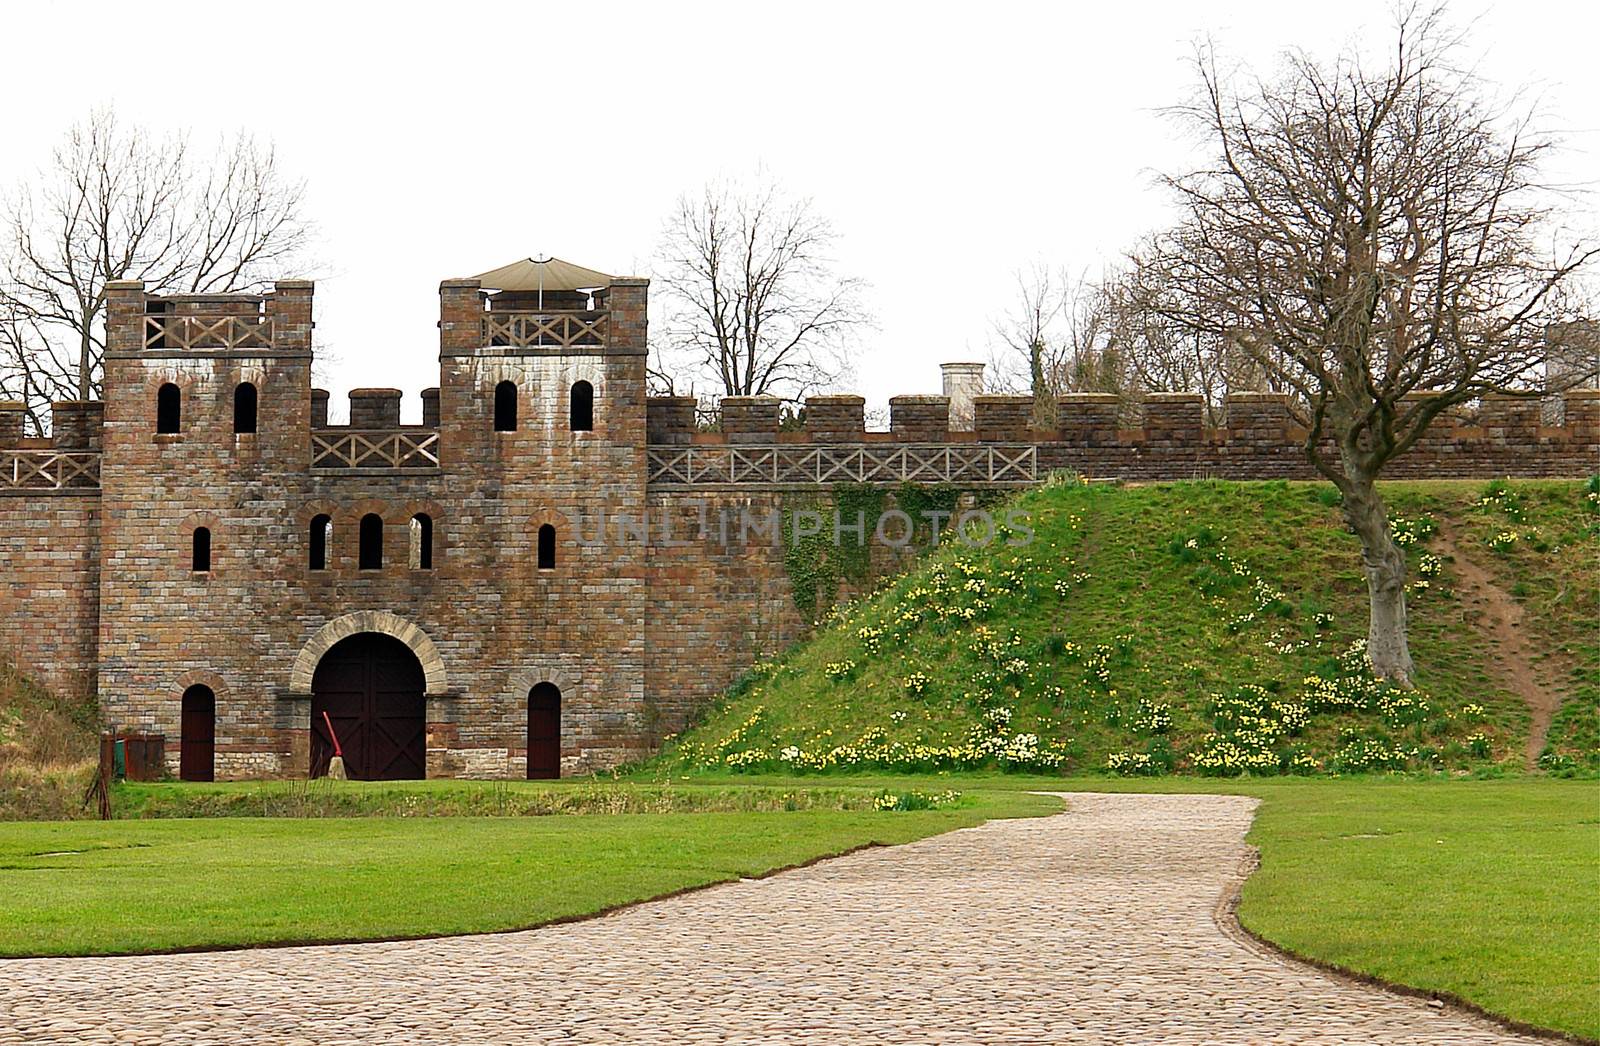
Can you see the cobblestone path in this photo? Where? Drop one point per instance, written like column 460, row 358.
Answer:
column 1095, row 926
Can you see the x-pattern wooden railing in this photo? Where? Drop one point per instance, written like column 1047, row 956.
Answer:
column 800, row 465
column 49, row 469
column 557, row 329
column 389, row 449
column 207, row 332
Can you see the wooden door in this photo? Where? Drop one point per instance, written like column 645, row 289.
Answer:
column 371, row 688
column 197, row 735
column 544, row 732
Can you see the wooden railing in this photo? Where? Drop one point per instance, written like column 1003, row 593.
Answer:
column 801, row 465
column 389, row 449
column 555, row 329
column 166, row 331
column 49, row 469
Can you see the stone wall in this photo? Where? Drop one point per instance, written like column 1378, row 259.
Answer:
column 719, row 599
column 49, row 587
column 1506, row 436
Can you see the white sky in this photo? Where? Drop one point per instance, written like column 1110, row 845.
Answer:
column 949, row 144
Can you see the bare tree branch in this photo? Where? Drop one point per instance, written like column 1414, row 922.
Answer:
column 116, row 203
column 1364, row 234
column 752, row 301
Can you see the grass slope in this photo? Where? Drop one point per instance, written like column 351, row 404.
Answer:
column 47, row 748
column 105, row 887
column 1189, row 627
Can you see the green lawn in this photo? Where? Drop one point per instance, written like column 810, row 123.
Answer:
column 1486, row 890
column 132, row 886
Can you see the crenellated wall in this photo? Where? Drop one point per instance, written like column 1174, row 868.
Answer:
column 1258, row 438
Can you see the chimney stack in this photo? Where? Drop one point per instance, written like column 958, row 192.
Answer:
column 963, row 382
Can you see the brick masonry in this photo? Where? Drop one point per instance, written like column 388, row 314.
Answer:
column 638, row 629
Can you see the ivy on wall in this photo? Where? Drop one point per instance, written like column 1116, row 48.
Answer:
column 812, row 571
column 857, row 502
column 817, row 562
column 915, row 499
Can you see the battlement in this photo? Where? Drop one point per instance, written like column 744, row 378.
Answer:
column 222, row 358
column 148, row 325
column 476, row 320
column 746, row 446
column 1087, row 418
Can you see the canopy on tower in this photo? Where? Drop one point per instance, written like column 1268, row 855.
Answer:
column 551, row 274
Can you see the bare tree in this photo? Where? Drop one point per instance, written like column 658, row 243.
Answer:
column 1058, row 338
column 1362, row 234
column 1161, row 355
column 117, row 203
column 752, row 302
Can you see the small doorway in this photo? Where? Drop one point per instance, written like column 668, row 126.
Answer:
column 197, row 737
column 544, row 732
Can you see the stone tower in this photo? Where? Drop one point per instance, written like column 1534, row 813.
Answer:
column 206, row 441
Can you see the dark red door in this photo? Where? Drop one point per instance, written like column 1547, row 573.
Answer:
column 544, row 731
column 197, row 735
column 371, row 687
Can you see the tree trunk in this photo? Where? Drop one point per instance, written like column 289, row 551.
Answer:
column 86, row 361
column 1385, row 566
column 1044, row 404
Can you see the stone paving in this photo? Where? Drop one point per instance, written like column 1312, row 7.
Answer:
column 1094, row 926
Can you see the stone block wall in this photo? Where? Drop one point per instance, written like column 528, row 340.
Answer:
column 719, row 599
column 836, row 419
column 750, row 419
column 50, row 586
column 670, row 419
column 77, row 424
column 1002, row 419
column 1087, row 419
column 920, row 419
column 12, row 416
column 375, row 408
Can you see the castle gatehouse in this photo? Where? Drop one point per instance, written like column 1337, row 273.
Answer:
column 217, row 562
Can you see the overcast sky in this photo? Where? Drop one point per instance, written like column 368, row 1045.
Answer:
column 949, row 144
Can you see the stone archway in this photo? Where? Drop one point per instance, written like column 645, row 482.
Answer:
column 382, row 622
column 367, row 703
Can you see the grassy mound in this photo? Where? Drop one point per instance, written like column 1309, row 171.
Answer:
column 1203, row 627
column 47, row 749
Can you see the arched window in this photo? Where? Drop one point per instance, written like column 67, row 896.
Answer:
column 169, row 408
column 582, row 410
column 421, row 541
column 371, row 557
column 321, row 538
column 547, row 547
column 505, row 407
column 202, row 549
column 244, row 407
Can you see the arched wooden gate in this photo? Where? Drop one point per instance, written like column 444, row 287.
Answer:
column 371, row 688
